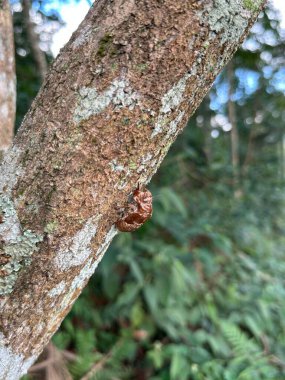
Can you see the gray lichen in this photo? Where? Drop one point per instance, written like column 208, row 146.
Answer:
column 84, row 35
column 174, row 124
column 91, row 102
column 230, row 17
column 17, row 246
column 172, row 99
column 117, row 167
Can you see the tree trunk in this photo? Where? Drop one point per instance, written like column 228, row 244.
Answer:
column 7, row 78
column 234, row 132
column 109, row 109
column 38, row 54
column 282, row 155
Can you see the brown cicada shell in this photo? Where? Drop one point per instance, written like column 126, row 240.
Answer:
column 137, row 212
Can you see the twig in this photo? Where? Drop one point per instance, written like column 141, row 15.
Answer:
column 100, row 364
column 97, row 367
column 41, row 365
column 69, row 355
column 54, row 367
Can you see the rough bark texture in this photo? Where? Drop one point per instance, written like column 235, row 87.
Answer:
column 110, row 107
column 7, row 77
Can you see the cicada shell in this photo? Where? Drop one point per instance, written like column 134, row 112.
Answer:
column 137, row 212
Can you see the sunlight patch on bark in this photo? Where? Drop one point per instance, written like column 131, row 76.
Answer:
column 74, row 251
column 90, row 267
column 12, row 366
column 57, row 290
column 170, row 102
column 80, row 280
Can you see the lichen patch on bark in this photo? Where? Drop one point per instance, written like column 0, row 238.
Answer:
column 16, row 248
column 91, row 102
column 83, row 37
column 233, row 13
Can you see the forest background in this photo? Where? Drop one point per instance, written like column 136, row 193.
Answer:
column 198, row 292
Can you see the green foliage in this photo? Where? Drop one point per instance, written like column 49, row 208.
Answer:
column 205, row 303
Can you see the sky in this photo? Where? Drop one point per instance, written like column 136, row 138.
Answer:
column 73, row 13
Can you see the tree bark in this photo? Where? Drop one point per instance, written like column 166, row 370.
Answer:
column 282, row 155
column 109, row 109
column 234, row 132
column 7, row 78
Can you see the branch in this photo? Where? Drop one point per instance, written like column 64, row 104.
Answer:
column 54, row 366
column 97, row 367
column 112, row 104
